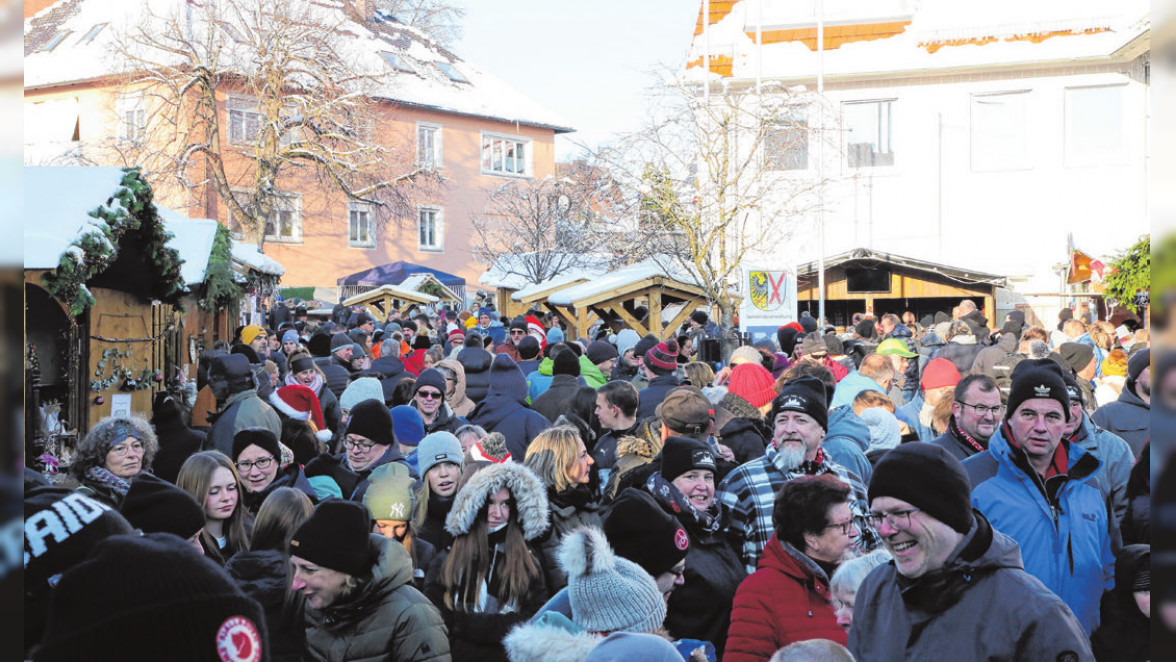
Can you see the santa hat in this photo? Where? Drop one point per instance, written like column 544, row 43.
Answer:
column 535, row 328
column 301, row 404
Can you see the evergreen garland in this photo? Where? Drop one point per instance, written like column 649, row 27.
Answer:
column 220, row 282
column 129, row 209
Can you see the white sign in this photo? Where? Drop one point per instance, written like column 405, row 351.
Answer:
column 120, row 405
column 769, row 300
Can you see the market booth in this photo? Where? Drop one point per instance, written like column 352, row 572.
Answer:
column 381, row 301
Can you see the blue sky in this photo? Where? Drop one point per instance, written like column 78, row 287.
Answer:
column 587, row 61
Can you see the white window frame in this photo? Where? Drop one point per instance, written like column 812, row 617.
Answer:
column 245, row 108
column 92, row 33
column 984, row 138
column 132, row 118
column 800, row 116
column 1084, row 158
column 430, row 157
column 452, row 73
column 494, row 149
column 438, row 231
column 287, row 203
column 397, row 62
column 882, row 154
column 55, row 41
column 354, row 208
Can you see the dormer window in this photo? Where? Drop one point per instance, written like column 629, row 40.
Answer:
column 452, row 72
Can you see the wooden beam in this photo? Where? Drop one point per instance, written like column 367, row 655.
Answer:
column 563, row 314
column 628, row 318
column 655, row 313
column 684, row 313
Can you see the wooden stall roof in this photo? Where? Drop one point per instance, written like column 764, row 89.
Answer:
column 970, row 277
column 379, row 302
column 418, row 280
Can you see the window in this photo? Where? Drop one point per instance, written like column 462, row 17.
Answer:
column 429, row 229
column 786, row 144
column 359, row 225
column 429, row 146
column 57, row 39
column 503, row 155
column 397, row 62
column 452, row 72
column 132, row 119
column 868, row 133
column 1094, row 126
column 1000, row 131
column 285, row 223
column 244, row 120
column 89, row 36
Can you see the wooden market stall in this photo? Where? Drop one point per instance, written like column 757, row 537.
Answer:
column 381, row 301
column 864, row 280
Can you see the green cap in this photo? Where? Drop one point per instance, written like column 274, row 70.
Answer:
column 896, row 347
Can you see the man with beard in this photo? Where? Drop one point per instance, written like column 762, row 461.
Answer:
column 799, row 417
column 975, row 415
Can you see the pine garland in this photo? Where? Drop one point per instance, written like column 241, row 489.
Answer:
column 130, row 209
column 220, row 282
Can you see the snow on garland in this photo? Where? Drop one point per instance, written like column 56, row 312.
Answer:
column 129, row 209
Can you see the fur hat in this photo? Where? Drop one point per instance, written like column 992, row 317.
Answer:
column 806, row 395
column 664, row 355
column 263, row 438
column 752, row 382
column 299, row 403
column 389, row 492
column 641, row 531
column 364, row 388
column 372, row 420
column 929, row 478
column 436, row 448
column 407, row 425
column 154, row 505
column 608, row 593
column 699, row 317
column 336, row 537
column 527, row 491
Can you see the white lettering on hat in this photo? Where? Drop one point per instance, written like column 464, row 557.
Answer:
column 704, row 457
column 441, row 456
column 396, row 511
column 87, row 509
column 40, row 526
column 237, row 640
column 793, row 401
column 1041, row 390
column 67, row 516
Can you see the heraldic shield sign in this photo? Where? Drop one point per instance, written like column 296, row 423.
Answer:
column 769, row 301
column 767, row 289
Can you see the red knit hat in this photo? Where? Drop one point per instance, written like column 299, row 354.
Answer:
column 939, row 372
column 664, row 355
column 456, row 335
column 753, row 383
column 298, row 402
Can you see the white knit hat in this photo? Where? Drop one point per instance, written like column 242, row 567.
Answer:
column 608, row 593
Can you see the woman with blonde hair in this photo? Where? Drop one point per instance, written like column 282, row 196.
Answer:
column 558, row 457
column 698, row 374
column 211, row 478
column 111, row 454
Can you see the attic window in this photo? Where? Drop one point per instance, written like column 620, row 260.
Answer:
column 396, row 62
column 89, row 36
column 57, row 39
column 454, row 75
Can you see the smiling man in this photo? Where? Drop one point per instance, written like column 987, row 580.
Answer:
column 975, row 415
column 956, row 590
column 1035, row 487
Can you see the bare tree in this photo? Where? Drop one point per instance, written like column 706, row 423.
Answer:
column 439, row 19
column 712, row 174
column 251, row 96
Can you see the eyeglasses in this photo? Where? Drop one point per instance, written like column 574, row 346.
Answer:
column 899, row 519
column 355, row 444
column 429, row 395
column 122, row 449
column 846, row 526
column 263, row 464
column 981, row 410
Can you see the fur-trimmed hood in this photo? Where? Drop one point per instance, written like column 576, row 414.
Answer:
column 460, row 403
column 547, row 641
column 529, row 495
column 636, row 445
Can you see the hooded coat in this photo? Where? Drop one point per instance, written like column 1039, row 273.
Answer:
column 987, row 357
column 1117, row 461
column 177, row 441
column 387, row 620
column 476, row 362
column 1129, row 417
column 504, row 411
column 787, row 599
column 460, row 402
column 264, row 576
column 980, row 606
column 557, row 400
column 1125, row 632
column 847, row 441
column 243, row 409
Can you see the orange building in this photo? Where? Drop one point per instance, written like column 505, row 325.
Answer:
column 441, row 113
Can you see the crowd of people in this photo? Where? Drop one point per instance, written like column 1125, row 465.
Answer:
column 460, row 486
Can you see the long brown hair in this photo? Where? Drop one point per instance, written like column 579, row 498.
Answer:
column 468, row 564
column 280, row 515
column 195, row 478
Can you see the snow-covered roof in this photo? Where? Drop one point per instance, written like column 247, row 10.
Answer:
column 930, row 35
column 509, row 271
column 249, row 256
column 566, row 278
column 425, row 74
column 192, row 238
column 620, row 278
column 416, row 281
column 59, row 201
column 396, row 291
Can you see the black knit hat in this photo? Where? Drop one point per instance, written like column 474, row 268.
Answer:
column 1072, row 389
column 300, row 364
column 648, row 342
column 1037, row 378
column 372, row 419
column 178, row 604
column 600, row 351
column 319, row 344
column 639, row 530
column 1136, row 365
column 808, row 323
column 263, row 438
column 431, row 377
column 154, row 505
column 930, row 479
column 804, row 394
column 564, row 361
column 528, row 348
column 518, row 323
column 699, row 317
column 682, row 454
column 1078, row 355
column 421, row 341
column 336, row 537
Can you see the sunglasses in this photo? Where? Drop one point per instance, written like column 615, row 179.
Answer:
column 429, row 395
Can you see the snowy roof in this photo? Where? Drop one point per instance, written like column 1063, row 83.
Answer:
column 417, row 280
column 248, row 255
column 566, row 278
column 54, row 220
column 624, row 277
column 509, row 271
column 396, row 291
column 192, row 238
column 424, row 74
column 919, row 36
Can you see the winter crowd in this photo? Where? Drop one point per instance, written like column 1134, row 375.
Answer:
column 456, row 486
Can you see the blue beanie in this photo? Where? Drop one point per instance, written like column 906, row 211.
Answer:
column 290, row 336
column 407, row 426
column 506, row 378
column 555, row 335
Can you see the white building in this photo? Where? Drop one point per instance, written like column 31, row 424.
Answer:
column 982, row 136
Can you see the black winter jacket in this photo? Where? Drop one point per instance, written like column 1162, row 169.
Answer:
column 265, row 577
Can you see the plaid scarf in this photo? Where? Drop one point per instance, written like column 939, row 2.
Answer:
column 102, row 476
column 964, row 436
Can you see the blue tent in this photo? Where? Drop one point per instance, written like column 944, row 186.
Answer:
column 394, row 273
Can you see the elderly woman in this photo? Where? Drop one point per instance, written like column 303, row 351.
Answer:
column 685, row 488
column 787, row 599
column 846, row 580
column 110, row 455
column 360, row 602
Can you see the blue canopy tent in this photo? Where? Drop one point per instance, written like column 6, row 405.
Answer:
column 395, row 273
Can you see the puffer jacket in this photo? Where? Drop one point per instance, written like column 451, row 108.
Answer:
column 987, row 357
column 1064, row 539
column 1129, row 417
column 388, row 620
column 741, row 428
column 459, row 401
column 570, row 509
column 264, row 576
column 242, row 410
column 948, row 614
column 787, row 599
column 476, row 362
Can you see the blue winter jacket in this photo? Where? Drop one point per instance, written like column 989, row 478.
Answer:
column 850, row 386
column 909, row 414
column 846, row 442
column 1064, row 540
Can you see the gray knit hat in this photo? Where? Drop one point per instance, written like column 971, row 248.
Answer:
column 438, row 447
column 608, row 593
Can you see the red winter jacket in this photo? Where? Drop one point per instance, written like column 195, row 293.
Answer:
column 785, row 600
column 415, row 362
